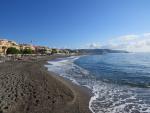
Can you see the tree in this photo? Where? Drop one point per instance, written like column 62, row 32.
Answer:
column 54, row 51
column 27, row 51
column 12, row 50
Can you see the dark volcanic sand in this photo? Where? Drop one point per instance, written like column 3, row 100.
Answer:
column 27, row 87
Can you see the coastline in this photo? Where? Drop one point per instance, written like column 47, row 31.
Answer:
column 28, row 87
column 82, row 94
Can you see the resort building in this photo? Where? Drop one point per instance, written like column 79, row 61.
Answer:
column 43, row 50
column 5, row 44
column 26, row 46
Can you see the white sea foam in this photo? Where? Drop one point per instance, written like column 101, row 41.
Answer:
column 107, row 98
column 62, row 66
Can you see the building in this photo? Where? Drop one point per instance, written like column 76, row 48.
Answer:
column 26, row 46
column 42, row 50
column 5, row 44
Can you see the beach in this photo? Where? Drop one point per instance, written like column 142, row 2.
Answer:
column 28, row 87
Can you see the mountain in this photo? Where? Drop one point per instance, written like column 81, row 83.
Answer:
column 99, row 51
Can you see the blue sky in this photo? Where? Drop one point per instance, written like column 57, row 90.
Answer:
column 72, row 23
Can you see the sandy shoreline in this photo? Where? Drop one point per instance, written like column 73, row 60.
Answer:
column 27, row 87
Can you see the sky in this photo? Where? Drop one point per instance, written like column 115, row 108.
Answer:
column 114, row 24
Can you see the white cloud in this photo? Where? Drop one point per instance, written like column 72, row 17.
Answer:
column 133, row 43
column 146, row 34
column 93, row 46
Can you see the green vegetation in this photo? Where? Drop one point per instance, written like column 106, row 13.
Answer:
column 54, row 51
column 26, row 51
column 12, row 50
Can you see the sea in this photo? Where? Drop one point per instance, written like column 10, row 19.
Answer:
column 120, row 82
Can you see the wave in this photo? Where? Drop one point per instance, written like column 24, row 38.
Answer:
column 107, row 98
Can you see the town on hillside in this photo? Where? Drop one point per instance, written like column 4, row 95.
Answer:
column 11, row 48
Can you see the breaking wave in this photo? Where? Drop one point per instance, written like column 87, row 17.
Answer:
column 107, row 97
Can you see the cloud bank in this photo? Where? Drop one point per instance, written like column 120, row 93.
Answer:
column 93, row 46
column 132, row 43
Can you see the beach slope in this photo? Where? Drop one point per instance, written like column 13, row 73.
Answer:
column 27, row 87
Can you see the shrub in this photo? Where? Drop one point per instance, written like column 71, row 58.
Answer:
column 54, row 51
column 27, row 51
column 12, row 50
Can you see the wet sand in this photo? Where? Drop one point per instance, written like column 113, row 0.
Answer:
column 27, row 87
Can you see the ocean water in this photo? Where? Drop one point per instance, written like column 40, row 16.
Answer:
column 120, row 82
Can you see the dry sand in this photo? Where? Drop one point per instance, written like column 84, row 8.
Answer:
column 27, row 87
